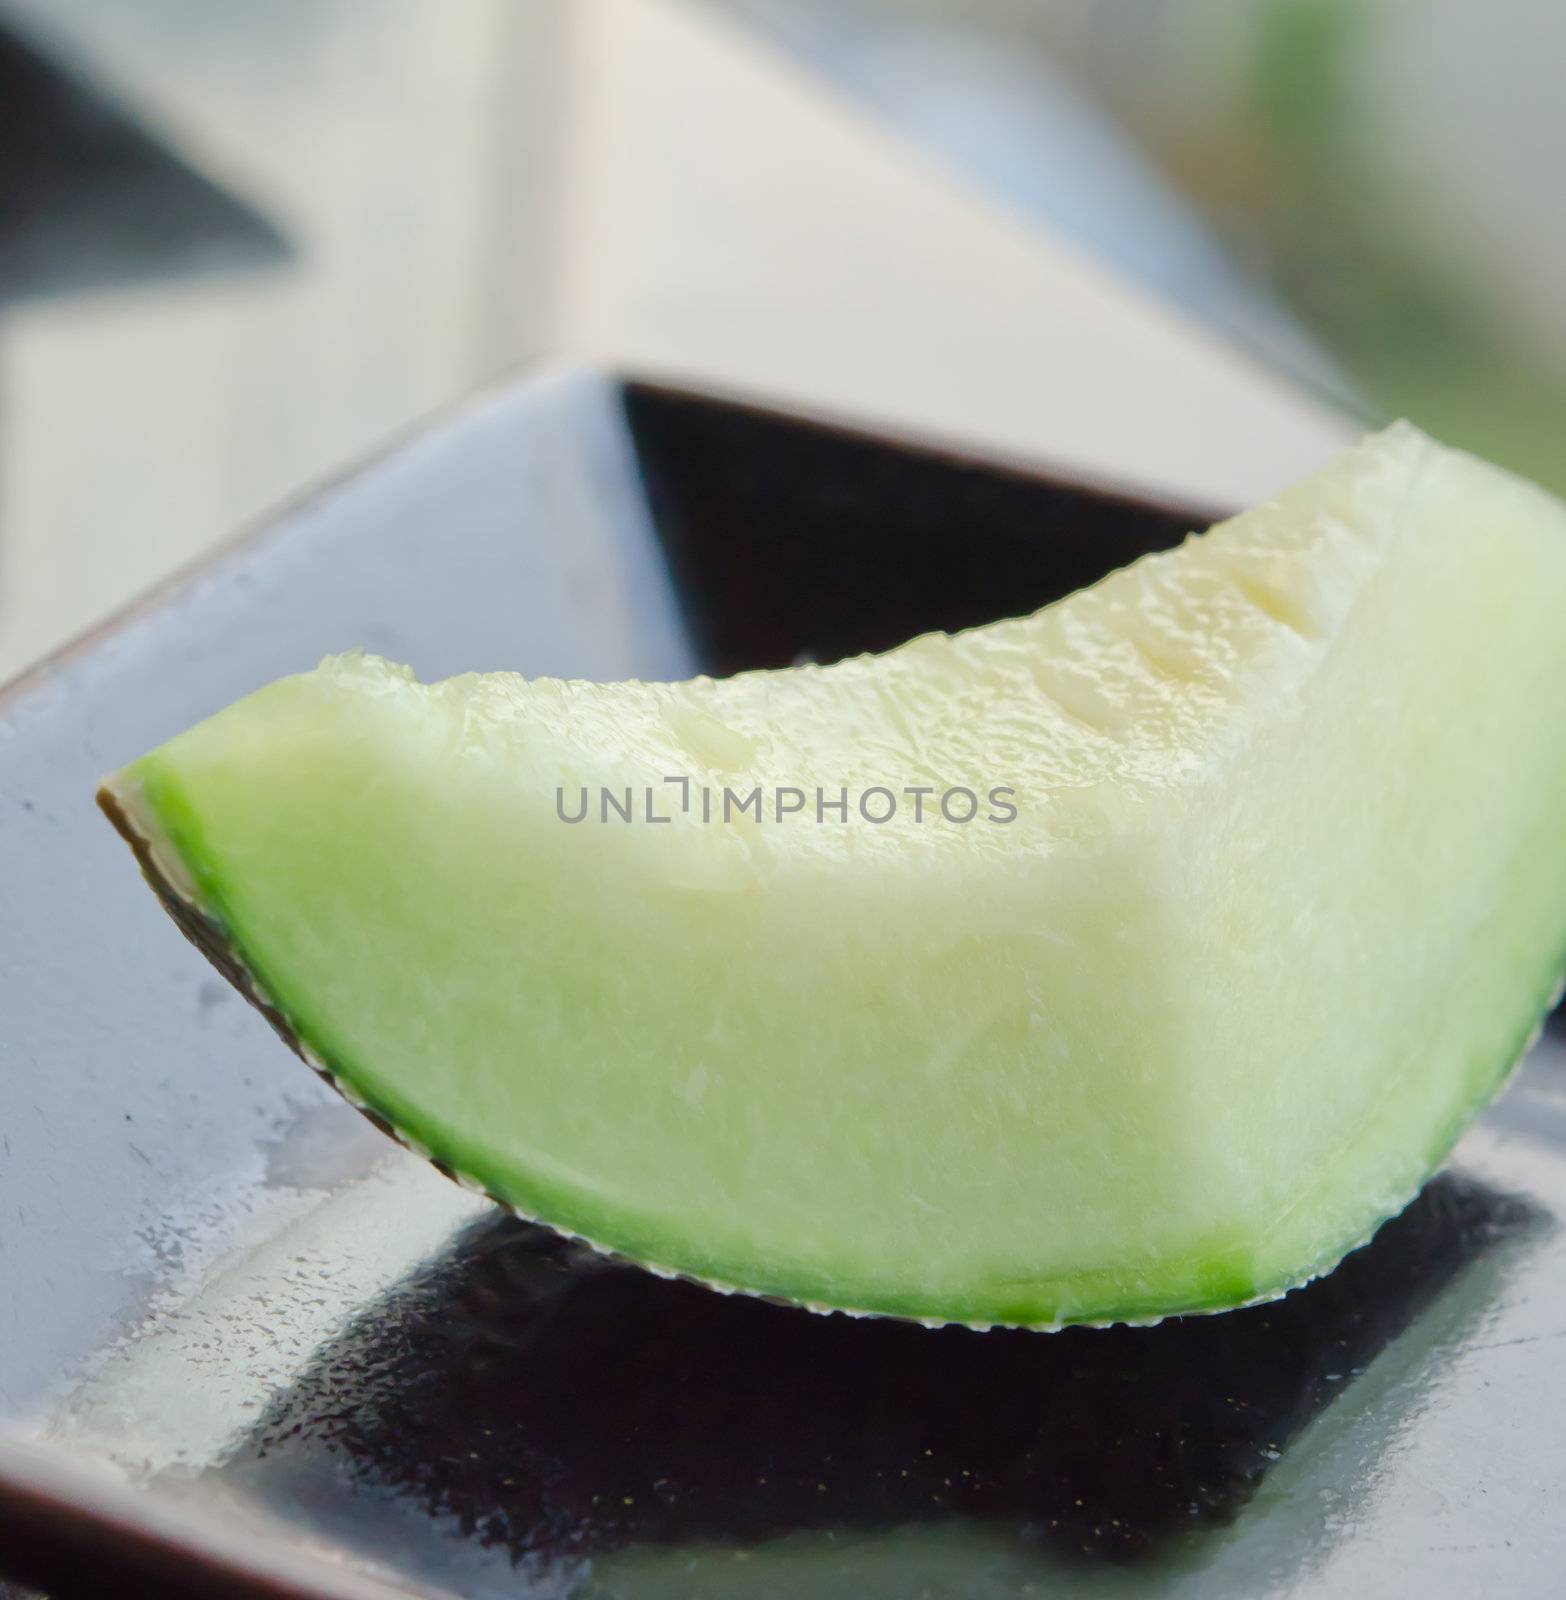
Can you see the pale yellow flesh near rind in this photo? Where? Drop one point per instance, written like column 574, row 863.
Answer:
column 1284, row 898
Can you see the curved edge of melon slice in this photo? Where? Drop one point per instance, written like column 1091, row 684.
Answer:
column 177, row 890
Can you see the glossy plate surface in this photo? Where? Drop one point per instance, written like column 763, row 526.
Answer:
column 248, row 1347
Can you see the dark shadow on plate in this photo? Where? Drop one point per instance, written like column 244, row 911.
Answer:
column 789, row 539
column 553, row 1405
column 89, row 198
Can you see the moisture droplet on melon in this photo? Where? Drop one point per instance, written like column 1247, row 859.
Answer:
column 1282, row 902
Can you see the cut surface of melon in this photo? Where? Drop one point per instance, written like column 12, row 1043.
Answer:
column 1282, row 901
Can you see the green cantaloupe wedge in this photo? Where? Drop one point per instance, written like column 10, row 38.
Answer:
column 1282, row 902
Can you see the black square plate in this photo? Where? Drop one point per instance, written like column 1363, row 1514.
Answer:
column 249, row 1348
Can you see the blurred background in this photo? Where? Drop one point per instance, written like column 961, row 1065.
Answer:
column 1190, row 246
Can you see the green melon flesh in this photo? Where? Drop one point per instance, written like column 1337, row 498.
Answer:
column 1283, row 901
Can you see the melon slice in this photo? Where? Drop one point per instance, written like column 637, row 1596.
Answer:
column 1275, row 900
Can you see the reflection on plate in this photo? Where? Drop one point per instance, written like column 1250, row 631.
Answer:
column 552, row 1405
